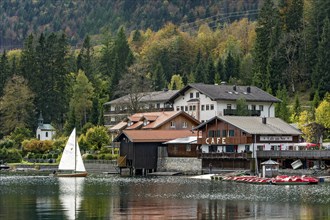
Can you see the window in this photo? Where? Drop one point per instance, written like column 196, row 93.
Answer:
column 172, row 124
column 260, row 147
column 212, row 107
column 207, row 107
column 203, row 107
column 211, row 133
column 188, row 147
column 218, row 133
column 228, row 106
column 194, row 107
column 247, row 148
column 231, row 133
column 186, row 108
column 158, row 105
column 190, row 108
column 178, row 108
column 145, row 122
column 184, row 124
column 46, row 134
column 182, row 108
column 261, row 107
column 224, row 133
column 197, row 94
column 253, row 107
column 191, row 95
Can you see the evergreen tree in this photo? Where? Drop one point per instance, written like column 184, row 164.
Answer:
column 211, row 71
column 28, row 65
column 230, row 67
column 199, row 73
column 315, row 20
column 220, row 74
column 4, row 71
column 281, row 109
column 296, row 109
column 122, row 50
column 294, row 15
column 158, row 78
column 85, row 58
column 315, row 103
column 261, row 53
column 322, row 73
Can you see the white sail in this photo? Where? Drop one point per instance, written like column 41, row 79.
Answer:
column 79, row 162
column 71, row 157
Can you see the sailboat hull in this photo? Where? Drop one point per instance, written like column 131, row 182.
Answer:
column 71, row 174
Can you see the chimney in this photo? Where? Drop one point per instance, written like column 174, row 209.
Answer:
column 248, row 89
column 264, row 120
column 234, row 87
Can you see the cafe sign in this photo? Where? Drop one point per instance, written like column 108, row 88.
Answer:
column 217, row 140
column 275, row 138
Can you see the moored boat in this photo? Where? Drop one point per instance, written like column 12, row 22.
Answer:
column 294, row 180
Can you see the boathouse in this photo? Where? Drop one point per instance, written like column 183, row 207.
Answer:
column 232, row 142
column 139, row 149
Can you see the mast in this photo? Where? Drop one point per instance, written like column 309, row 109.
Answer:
column 75, row 151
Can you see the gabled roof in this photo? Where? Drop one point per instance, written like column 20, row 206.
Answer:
column 156, row 119
column 228, row 92
column 120, row 126
column 254, row 125
column 158, row 136
column 46, row 127
column 158, row 96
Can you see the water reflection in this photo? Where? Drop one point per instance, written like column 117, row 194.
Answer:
column 156, row 198
column 71, row 196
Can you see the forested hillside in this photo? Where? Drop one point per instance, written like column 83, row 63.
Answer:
column 285, row 52
column 78, row 18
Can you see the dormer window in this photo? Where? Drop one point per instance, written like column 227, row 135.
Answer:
column 145, row 122
column 129, row 123
column 197, row 94
column 191, row 95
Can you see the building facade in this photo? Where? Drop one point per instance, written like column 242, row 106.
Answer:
column 118, row 109
column 204, row 101
column 44, row 131
column 233, row 141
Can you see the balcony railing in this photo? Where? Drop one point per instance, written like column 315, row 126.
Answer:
column 308, row 154
column 224, row 155
column 235, row 112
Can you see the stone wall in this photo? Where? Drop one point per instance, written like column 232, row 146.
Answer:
column 185, row 165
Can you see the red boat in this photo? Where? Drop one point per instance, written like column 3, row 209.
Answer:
column 294, row 180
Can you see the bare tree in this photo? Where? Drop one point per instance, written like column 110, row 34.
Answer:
column 134, row 85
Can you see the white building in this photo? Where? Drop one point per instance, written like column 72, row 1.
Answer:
column 44, row 131
column 204, row 101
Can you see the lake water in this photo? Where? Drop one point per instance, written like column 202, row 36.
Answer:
column 175, row 197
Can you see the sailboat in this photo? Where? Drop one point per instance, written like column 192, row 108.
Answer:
column 71, row 159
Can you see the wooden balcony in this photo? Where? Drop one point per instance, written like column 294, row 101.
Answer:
column 225, row 155
column 302, row 154
column 234, row 112
column 225, row 140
